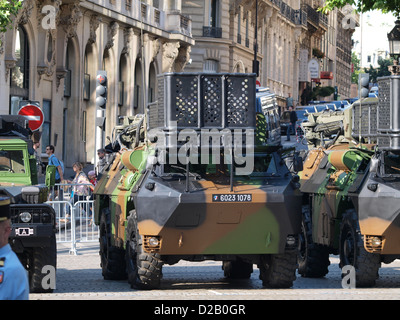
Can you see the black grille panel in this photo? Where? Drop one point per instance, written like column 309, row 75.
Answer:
column 40, row 213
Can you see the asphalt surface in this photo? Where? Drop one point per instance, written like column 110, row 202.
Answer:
column 79, row 278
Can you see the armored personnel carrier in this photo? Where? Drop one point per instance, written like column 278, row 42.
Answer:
column 351, row 186
column 33, row 222
column 200, row 178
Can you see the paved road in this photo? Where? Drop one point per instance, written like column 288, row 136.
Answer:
column 79, row 278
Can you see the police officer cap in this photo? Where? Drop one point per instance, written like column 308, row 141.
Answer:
column 5, row 212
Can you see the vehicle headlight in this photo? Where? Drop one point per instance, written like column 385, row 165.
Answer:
column 25, row 216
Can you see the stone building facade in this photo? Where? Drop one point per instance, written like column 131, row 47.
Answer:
column 288, row 34
column 53, row 50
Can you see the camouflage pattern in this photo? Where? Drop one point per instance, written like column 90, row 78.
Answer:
column 350, row 189
column 333, row 188
column 162, row 213
column 378, row 206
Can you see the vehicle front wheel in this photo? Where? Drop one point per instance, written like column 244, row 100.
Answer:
column 278, row 270
column 237, row 269
column 144, row 269
column 112, row 259
column 353, row 253
column 313, row 258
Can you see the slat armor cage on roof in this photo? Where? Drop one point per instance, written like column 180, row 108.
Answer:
column 204, row 100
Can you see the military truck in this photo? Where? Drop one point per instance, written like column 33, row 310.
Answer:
column 197, row 178
column 351, row 186
column 33, row 222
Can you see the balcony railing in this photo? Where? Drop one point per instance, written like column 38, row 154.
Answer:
column 298, row 17
column 315, row 17
column 141, row 11
column 212, row 32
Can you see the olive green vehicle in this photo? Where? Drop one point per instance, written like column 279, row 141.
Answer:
column 351, row 186
column 155, row 209
column 33, row 221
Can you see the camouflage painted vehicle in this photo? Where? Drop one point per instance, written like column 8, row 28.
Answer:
column 33, row 234
column 154, row 210
column 351, row 191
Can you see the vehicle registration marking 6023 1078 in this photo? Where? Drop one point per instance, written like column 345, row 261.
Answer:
column 231, row 198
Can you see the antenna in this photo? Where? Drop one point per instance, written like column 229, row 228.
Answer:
column 143, row 77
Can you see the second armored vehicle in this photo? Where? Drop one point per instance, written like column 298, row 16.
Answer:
column 351, row 187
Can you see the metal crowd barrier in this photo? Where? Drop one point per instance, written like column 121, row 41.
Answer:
column 74, row 219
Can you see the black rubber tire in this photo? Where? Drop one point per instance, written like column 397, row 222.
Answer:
column 112, row 259
column 352, row 251
column 144, row 269
column 237, row 269
column 313, row 259
column 278, row 270
column 42, row 256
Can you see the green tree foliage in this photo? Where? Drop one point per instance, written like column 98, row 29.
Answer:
column 356, row 67
column 8, row 9
column 385, row 6
column 381, row 71
column 322, row 92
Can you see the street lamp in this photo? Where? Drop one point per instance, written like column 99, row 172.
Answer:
column 394, row 47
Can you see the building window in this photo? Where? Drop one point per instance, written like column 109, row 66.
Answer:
column 239, row 36
column 213, row 30
column 46, row 127
column 211, row 65
column 247, row 41
column 19, row 75
column 214, row 13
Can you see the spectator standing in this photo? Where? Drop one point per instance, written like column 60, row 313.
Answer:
column 53, row 160
column 102, row 163
column 14, row 284
column 39, row 164
column 80, row 181
column 92, row 179
column 289, row 101
column 293, row 120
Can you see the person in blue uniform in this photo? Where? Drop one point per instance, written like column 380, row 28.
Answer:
column 14, row 284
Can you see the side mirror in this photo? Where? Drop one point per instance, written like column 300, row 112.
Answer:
column 297, row 163
column 374, row 165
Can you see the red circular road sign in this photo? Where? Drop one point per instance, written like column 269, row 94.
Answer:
column 33, row 114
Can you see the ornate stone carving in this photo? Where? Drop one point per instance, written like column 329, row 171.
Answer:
column 128, row 34
column 183, row 58
column 112, row 31
column 69, row 19
column 10, row 64
column 156, row 48
column 170, row 52
column 60, row 74
column 25, row 12
column 95, row 21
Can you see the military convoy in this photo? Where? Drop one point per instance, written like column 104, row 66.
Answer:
column 179, row 187
column 33, row 222
column 200, row 177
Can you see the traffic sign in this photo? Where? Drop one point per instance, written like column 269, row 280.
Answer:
column 34, row 115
